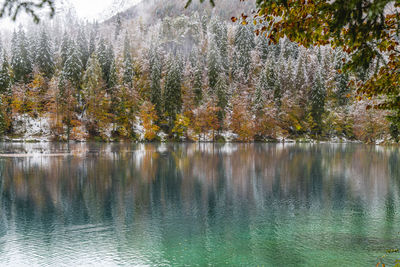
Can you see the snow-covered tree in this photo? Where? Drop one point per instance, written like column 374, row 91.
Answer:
column 65, row 48
column 128, row 63
column 261, row 91
column 317, row 103
column 3, row 124
column 44, row 59
column 173, row 90
column 155, row 79
column 244, row 44
column 72, row 70
column 5, row 79
column 219, row 35
column 106, row 58
column 342, row 80
column 21, row 63
column 97, row 116
column 221, row 96
column 213, row 62
column 83, row 47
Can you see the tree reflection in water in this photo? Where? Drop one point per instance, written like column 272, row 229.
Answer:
column 216, row 204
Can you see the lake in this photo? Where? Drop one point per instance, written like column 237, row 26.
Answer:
column 198, row 204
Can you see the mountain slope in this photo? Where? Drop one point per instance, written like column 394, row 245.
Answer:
column 152, row 10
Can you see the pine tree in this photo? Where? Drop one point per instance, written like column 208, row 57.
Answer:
column 222, row 99
column 96, row 102
column 106, row 58
column 272, row 84
column 3, row 123
column 5, row 79
column 342, row 80
column 128, row 63
column 113, row 77
column 155, row 79
column 244, row 44
column 219, row 34
column 262, row 47
column 317, row 102
column 112, row 88
column 300, row 80
column 173, row 90
column 66, row 104
column 72, row 70
column 289, row 49
column 65, row 48
column 83, row 47
column 92, row 42
column 108, row 67
column 198, row 85
column 118, row 26
column 214, row 63
column 261, row 90
column 20, row 59
column 93, row 77
column 196, row 75
column 44, row 59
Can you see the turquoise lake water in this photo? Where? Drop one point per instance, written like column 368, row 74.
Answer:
column 198, row 204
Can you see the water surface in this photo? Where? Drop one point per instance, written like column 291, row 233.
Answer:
column 198, row 204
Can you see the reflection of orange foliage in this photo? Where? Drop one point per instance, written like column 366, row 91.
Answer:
column 148, row 116
column 137, row 172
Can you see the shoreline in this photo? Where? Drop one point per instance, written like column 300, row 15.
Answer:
column 278, row 141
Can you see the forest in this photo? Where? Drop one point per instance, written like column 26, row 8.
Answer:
column 196, row 76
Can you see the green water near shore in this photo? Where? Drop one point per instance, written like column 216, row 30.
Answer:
column 198, row 204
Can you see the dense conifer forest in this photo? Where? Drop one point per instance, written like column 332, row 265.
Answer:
column 194, row 75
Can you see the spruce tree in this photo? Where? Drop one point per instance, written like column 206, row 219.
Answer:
column 44, row 59
column 72, row 70
column 221, row 96
column 173, row 90
column 261, row 90
column 128, row 63
column 118, row 26
column 262, row 47
column 3, row 124
column 112, row 88
column 214, row 63
column 110, row 62
column 196, row 75
column 198, row 85
column 342, row 80
column 5, row 79
column 65, row 48
column 106, row 57
column 317, row 102
column 92, row 42
column 273, row 86
column 21, row 63
column 33, row 46
column 93, row 85
column 93, row 77
column 155, row 79
column 113, row 77
column 83, row 47
column 244, row 44
column 219, row 34
column 300, row 81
